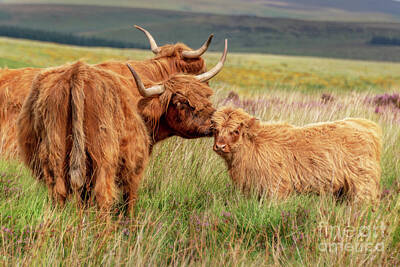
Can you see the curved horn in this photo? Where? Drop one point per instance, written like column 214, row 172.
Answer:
column 197, row 53
column 152, row 91
column 153, row 44
column 214, row 71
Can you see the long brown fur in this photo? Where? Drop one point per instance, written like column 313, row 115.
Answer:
column 279, row 159
column 16, row 84
column 76, row 117
column 14, row 87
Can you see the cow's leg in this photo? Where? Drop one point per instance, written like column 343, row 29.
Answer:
column 52, row 166
column 131, row 185
column 105, row 188
column 134, row 160
column 366, row 190
column 365, row 181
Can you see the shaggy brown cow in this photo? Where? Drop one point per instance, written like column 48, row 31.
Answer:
column 14, row 87
column 80, row 126
column 80, row 120
column 278, row 159
column 170, row 59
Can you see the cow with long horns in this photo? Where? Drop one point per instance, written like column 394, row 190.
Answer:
column 169, row 60
column 83, row 127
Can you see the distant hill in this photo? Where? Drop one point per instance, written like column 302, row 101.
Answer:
column 332, row 10
column 245, row 33
column 382, row 6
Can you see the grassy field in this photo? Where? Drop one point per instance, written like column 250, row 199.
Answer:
column 245, row 33
column 188, row 211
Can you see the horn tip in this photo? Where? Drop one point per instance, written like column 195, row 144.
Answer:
column 138, row 27
column 210, row 38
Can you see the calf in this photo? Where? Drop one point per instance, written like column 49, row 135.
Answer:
column 279, row 159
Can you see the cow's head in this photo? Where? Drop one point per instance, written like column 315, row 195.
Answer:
column 230, row 126
column 179, row 56
column 179, row 106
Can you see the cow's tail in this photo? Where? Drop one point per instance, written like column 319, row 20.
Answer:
column 77, row 164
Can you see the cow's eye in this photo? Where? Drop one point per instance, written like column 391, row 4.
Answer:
column 236, row 132
column 181, row 105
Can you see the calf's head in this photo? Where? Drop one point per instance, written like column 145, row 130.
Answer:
column 179, row 106
column 179, row 56
column 230, row 127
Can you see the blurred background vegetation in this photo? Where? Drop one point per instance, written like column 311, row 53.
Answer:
column 337, row 29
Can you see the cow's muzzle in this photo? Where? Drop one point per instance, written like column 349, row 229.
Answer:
column 221, row 148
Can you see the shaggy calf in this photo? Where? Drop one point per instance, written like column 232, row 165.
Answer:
column 279, row 159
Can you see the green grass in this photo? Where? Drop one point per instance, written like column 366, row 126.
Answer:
column 188, row 212
column 245, row 33
column 12, row 64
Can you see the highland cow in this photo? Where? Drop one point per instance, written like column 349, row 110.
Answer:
column 278, row 159
column 80, row 122
column 170, row 59
column 80, row 129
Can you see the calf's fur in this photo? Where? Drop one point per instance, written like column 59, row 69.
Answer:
column 279, row 159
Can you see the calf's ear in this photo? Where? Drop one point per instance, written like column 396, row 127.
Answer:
column 248, row 124
column 251, row 122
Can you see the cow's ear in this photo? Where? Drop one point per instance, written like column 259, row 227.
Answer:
column 151, row 108
column 248, row 125
column 251, row 122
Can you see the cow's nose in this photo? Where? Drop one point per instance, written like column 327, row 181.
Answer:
column 219, row 147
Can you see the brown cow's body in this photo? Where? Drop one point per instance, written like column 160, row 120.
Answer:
column 79, row 126
column 279, row 159
column 14, row 87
